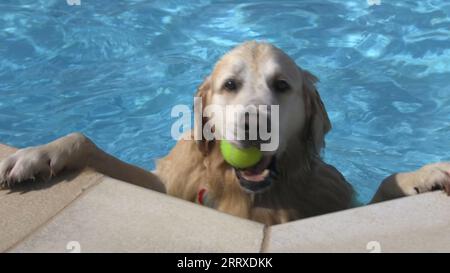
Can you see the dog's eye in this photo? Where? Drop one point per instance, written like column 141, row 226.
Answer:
column 230, row 85
column 281, row 85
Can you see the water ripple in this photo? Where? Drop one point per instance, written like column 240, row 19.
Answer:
column 113, row 70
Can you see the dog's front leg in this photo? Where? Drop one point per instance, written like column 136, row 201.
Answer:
column 72, row 152
column 430, row 177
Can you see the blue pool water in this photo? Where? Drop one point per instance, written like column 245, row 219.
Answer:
column 114, row 69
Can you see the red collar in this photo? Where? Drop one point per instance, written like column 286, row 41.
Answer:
column 202, row 198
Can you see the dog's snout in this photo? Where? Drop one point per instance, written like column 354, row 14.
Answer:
column 255, row 125
column 262, row 122
column 247, row 126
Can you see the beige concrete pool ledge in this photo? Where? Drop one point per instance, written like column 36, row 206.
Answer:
column 89, row 212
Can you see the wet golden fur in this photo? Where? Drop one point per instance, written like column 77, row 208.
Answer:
column 306, row 186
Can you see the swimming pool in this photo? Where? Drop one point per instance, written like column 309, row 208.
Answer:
column 113, row 70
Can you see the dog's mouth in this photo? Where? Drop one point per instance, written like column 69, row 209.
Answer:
column 258, row 177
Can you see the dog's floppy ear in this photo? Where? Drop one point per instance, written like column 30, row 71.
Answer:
column 317, row 122
column 204, row 93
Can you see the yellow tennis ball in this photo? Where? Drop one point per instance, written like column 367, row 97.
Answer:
column 240, row 158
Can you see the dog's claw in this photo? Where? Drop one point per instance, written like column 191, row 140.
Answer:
column 23, row 165
column 447, row 183
column 436, row 176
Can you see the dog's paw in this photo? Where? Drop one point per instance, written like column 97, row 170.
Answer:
column 25, row 164
column 433, row 177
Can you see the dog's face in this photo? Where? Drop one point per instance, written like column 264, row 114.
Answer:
column 261, row 76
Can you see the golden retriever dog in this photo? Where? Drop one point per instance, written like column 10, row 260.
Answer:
column 289, row 183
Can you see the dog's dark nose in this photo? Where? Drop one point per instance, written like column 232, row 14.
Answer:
column 247, row 126
column 254, row 127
